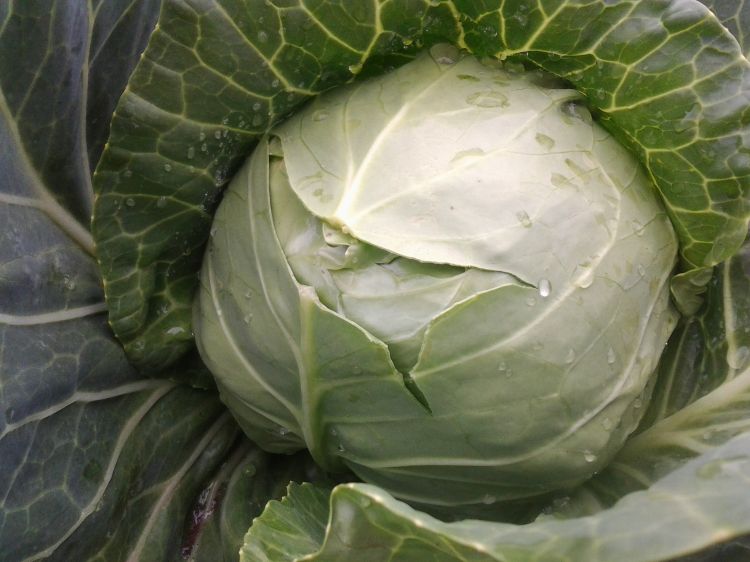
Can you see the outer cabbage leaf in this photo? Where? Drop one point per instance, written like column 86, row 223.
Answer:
column 701, row 503
column 736, row 18
column 213, row 80
column 96, row 463
column 237, row 494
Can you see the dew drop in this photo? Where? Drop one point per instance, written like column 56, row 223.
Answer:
column 607, row 424
column 641, row 270
column 588, row 456
column 320, row 115
column 545, row 141
column 204, row 147
column 524, row 219
column 470, row 153
column 130, row 202
column 256, row 106
column 738, row 358
column 262, row 36
column 736, row 465
column 175, row 331
column 570, row 357
column 283, row 431
column 531, row 301
column 355, row 68
column 545, row 288
column 247, row 318
column 488, row 99
column 444, row 54
column 161, row 202
column 167, row 167
column 583, row 276
column 577, row 111
column 487, row 499
column 637, row 403
column 217, row 134
column 611, row 356
column 202, row 136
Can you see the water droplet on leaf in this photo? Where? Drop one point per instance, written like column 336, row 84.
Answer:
column 583, row 276
column 571, row 356
column 320, row 115
column 488, row 99
column 738, row 358
column 611, row 356
column 545, row 288
column 524, row 219
column 546, row 141
column 445, row 54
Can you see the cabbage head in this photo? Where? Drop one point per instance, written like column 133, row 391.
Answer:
column 449, row 280
column 374, row 280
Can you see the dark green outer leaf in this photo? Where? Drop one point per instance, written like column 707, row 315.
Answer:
column 96, row 463
column 735, row 15
column 235, row 496
column 668, row 79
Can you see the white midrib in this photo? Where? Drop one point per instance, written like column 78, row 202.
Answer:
column 52, row 317
column 122, row 439
column 355, row 177
column 159, row 508
column 82, row 396
column 46, row 202
column 730, row 321
column 83, row 130
column 718, row 399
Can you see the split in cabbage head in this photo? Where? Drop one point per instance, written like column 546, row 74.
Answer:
column 448, row 280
